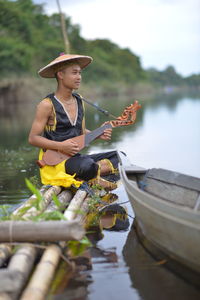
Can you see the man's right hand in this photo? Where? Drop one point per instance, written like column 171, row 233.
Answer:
column 69, row 147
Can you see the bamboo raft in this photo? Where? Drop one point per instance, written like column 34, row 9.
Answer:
column 28, row 267
column 34, row 258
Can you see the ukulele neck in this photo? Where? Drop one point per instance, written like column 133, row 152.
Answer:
column 91, row 136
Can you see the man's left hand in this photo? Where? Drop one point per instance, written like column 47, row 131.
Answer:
column 106, row 134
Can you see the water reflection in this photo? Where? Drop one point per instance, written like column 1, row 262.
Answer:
column 151, row 279
column 15, row 122
column 16, row 165
column 166, row 134
column 79, row 286
column 162, row 137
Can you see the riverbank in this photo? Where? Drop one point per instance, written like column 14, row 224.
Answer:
column 17, row 90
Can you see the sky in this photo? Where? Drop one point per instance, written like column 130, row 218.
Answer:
column 160, row 32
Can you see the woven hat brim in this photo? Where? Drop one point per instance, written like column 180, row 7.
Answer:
column 50, row 70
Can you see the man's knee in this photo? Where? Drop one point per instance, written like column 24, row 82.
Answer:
column 88, row 169
column 84, row 167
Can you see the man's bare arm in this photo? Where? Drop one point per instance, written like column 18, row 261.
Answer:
column 43, row 112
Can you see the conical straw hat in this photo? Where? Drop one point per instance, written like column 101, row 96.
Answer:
column 50, row 70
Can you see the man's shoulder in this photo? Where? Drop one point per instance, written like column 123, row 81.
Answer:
column 45, row 104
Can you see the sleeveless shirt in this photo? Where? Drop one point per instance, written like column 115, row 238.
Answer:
column 63, row 129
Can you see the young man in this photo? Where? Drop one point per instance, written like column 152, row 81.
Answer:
column 59, row 118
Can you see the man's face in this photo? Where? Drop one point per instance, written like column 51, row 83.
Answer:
column 71, row 76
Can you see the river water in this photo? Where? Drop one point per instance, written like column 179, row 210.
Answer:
column 166, row 134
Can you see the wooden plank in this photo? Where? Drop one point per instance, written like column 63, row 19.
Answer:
column 173, row 193
column 176, row 178
column 134, row 169
column 197, row 204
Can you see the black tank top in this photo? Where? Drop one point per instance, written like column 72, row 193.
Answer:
column 63, row 128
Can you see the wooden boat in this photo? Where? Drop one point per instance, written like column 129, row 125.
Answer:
column 167, row 211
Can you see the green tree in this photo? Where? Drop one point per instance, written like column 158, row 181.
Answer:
column 30, row 39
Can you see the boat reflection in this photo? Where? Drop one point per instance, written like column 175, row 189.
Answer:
column 151, row 279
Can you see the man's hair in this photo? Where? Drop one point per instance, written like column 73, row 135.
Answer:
column 67, row 64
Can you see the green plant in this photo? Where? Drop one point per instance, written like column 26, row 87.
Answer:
column 4, row 212
column 78, row 247
column 35, row 181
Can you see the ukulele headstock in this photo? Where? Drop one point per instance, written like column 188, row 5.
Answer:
column 128, row 116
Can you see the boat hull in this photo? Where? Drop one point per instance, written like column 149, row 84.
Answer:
column 175, row 230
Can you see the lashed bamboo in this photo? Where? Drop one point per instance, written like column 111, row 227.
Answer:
column 6, row 250
column 30, row 200
column 14, row 278
column 84, row 210
column 39, row 283
column 64, row 198
column 53, row 190
column 7, row 281
column 49, row 193
column 44, row 231
column 5, row 296
column 71, row 212
column 5, row 253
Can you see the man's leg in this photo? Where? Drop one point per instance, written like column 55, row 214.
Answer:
column 108, row 162
column 92, row 167
column 83, row 166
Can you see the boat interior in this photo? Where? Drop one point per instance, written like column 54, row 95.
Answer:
column 181, row 189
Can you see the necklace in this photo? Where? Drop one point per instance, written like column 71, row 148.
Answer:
column 69, row 102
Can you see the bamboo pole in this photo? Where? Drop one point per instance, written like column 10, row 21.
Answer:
column 54, row 190
column 14, row 278
column 6, row 250
column 39, row 283
column 80, row 218
column 5, row 296
column 44, row 231
column 5, row 253
column 71, row 212
column 47, row 196
column 63, row 28
column 64, row 198
column 7, row 281
column 29, row 201
column 50, row 192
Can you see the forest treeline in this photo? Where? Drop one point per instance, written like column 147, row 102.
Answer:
column 29, row 39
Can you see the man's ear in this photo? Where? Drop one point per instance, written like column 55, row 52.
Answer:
column 60, row 74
